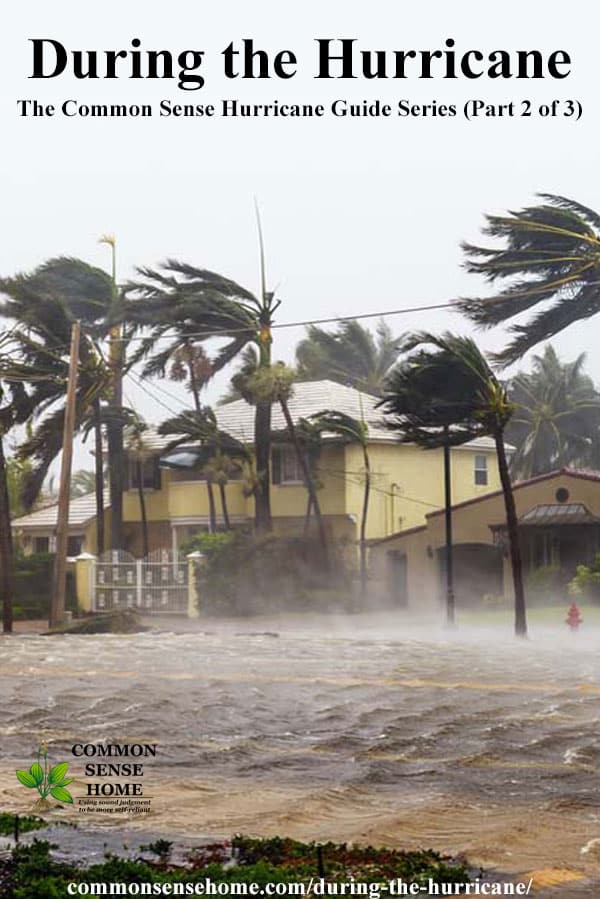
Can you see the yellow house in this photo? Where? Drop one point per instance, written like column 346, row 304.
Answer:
column 559, row 528
column 406, row 482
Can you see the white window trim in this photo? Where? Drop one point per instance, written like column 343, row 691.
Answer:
column 292, row 482
column 485, row 469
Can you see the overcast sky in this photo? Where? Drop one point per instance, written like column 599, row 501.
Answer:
column 359, row 215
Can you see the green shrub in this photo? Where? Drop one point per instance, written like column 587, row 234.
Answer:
column 586, row 582
column 31, row 872
column 244, row 574
column 33, row 586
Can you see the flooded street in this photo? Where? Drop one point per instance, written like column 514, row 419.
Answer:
column 362, row 728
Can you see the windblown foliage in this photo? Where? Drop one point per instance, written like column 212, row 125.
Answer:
column 549, row 264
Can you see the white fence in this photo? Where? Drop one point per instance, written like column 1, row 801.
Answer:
column 157, row 584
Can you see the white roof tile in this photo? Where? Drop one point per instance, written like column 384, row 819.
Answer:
column 81, row 510
column 308, row 398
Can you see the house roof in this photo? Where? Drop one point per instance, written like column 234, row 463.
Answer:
column 308, row 398
column 554, row 514
column 81, row 511
column 558, row 513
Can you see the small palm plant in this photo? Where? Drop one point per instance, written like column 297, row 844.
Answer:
column 51, row 782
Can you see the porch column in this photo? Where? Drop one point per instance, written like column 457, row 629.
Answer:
column 84, row 581
column 194, row 560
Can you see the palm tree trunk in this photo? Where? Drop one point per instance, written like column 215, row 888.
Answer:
column 116, row 464
column 212, row 506
column 513, row 537
column 194, row 384
column 449, row 547
column 99, row 478
column 307, row 515
column 223, row 496
column 7, row 560
column 308, row 480
column 262, row 441
column 143, row 515
column 363, row 525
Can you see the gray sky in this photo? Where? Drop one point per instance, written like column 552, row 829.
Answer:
column 359, row 215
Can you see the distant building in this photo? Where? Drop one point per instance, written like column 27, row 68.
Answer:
column 559, row 528
column 36, row 532
column 407, row 482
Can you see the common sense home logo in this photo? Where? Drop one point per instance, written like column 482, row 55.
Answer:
column 47, row 780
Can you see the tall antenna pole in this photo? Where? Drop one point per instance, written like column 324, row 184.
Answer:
column 57, row 607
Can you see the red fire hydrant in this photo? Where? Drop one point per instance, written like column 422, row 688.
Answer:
column 573, row 618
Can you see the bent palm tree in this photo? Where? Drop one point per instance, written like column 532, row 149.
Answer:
column 550, row 263
column 350, row 355
column 467, row 402
column 43, row 304
column 135, row 434
column 181, row 302
column 275, row 385
column 354, row 431
column 556, row 418
column 16, row 411
column 193, row 426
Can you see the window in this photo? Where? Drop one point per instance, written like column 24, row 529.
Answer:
column 150, row 474
column 286, row 468
column 41, row 544
column 74, row 546
column 481, row 471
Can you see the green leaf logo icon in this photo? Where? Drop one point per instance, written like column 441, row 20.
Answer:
column 58, row 772
column 47, row 781
column 27, row 779
column 37, row 772
column 61, row 794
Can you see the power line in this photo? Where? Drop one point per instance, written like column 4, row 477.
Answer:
column 226, row 332
column 148, row 393
column 222, row 332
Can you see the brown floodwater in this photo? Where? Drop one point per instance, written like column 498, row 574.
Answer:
column 364, row 728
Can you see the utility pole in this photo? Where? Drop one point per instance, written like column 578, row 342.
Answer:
column 57, row 608
column 114, row 427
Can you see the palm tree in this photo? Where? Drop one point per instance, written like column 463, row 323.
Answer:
column 82, row 483
column 310, row 440
column 556, row 418
column 354, row 431
column 410, row 397
column 275, row 384
column 350, row 355
column 190, row 363
column 201, row 426
column 10, row 413
column 549, row 263
column 43, row 304
column 136, row 443
column 468, row 402
column 179, row 302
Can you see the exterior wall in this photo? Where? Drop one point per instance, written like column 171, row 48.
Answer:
column 290, row 500
column 471, row 524
column 159, row 537
column 190, row 499
column 407, row 483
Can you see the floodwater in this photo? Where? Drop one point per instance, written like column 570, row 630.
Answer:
column 361, row 728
